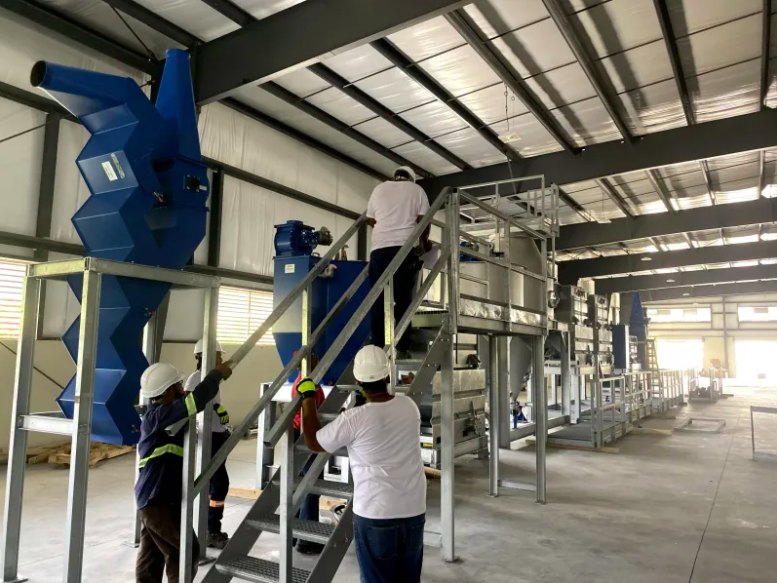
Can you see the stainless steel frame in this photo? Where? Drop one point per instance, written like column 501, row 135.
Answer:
column 80, row 426
column 760, row 455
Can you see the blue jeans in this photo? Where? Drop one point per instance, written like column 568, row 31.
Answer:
column 389, row 550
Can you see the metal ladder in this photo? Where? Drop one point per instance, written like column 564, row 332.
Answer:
column 275, row 508
column 656, row 377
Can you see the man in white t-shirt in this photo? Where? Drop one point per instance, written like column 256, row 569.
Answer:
column 394, row 209
column 389, row 500
column 219, row 483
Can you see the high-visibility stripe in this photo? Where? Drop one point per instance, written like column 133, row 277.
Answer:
column 191, row 405
column 217, row 503
column 220, row 410
column 160, row 451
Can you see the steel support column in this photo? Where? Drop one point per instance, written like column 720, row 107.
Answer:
column 82, row 429
column 495, row 420
column 540, row 409
column 566, row 375
column 17, row 452
column 503, row 390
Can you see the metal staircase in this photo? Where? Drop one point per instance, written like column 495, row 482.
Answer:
column 274, row 511
column 276, row 507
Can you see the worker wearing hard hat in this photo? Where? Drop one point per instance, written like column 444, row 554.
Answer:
column 158, row 488
column 389, row 500
column 219, row 483
column 394, row 209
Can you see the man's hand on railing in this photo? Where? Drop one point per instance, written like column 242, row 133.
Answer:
column 225, row 369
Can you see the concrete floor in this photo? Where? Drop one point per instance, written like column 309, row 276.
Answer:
column 690, row 508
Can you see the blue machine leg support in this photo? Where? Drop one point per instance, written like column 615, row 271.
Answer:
column 148, row 188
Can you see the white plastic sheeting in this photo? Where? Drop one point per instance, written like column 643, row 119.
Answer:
column 726, row 92
column 395, row 90
column 638, row 67
column 493, row 104
column 383, row 132
column 526, row 135
column 358, row 63
column 567, row 84
column 193, row 16
column 689, row 16
column 427, row 39
column 20, row 166
column 293, row 117
column 498, row 17
column 22, row 45
column 535, row 49
column 338, row 104
column 460, row 71
column 721, row 46
column 230, row 137
column 301, row 82
column 587, row 122
column 652, row 109
column 249, row 215
column 617, row 26
column 98, row 15
column 469, row 145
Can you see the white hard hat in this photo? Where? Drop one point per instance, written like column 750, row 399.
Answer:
column 157, row 378
column 200, row 342
column 410, row 172
column 371, row 364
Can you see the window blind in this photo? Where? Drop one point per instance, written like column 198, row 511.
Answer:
column 240, row 312
column 11, row 286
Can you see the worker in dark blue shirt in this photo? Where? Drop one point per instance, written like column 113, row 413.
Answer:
column 158, row 489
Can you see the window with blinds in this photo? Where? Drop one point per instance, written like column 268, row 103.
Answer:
column 241, row 312
column 11, row 285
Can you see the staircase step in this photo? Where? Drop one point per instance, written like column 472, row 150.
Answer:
column 332, row 489
column 257, row 570
column 316, row 532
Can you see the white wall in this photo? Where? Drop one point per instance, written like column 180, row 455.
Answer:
column 238, row 394
column 721, row 333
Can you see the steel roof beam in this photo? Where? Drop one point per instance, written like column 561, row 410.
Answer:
column 285, row 95
column 417, row 74
column 705, row 291
column 743, row 133
column 569, row 272
column 479, row 42
column 75, row 31
column 753, row 212
column 664, row 19
column 615, row 197
column 243, row 18
column 684, row 279
column 301, row 34
column 663, row 194
column 383, row 112
column 705, row 172
column 231, row 11
column 574, row 205
column 761, row 172
column 601, row 85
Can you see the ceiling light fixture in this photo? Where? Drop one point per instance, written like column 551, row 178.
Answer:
column 647, row 259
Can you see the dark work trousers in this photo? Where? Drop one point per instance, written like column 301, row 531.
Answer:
column 389, row 550
column 404, row 289
column 309, row 508
column 219, row 485
column 160, row 545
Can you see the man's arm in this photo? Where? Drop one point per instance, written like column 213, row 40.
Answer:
column 423, row 208
column 311, row 424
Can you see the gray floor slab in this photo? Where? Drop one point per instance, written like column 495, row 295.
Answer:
column 687, row 508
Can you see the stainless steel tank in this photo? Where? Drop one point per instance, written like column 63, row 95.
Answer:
column 487, row 281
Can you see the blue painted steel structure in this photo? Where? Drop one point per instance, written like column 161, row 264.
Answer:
column 148, row 188
column 294, row 244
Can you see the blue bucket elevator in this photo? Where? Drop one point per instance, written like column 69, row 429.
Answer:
column 149, row 187
column 294, row 246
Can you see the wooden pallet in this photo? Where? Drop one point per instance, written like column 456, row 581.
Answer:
column 97, row 453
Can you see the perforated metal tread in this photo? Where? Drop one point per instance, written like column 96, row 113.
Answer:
column 333, row 489
column 257, row 570
column 317, row 532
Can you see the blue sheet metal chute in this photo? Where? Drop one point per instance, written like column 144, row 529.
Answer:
column 148, row 188
column 294, row 245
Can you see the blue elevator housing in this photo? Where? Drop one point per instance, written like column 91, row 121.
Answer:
column 149, row 187
column 294, row 244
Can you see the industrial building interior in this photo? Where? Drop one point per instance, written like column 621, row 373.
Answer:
column 594, row 330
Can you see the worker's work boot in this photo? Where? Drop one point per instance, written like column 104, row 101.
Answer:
column 217, row 540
